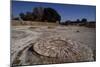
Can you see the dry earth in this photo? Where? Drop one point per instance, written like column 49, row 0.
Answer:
column 31, row 44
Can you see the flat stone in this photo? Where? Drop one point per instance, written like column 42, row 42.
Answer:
column 63, row 49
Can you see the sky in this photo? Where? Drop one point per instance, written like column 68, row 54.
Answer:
column 66, row 11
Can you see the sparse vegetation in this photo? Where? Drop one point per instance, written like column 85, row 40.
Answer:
column 39, row 37
column 40, row 14
column 83, row 22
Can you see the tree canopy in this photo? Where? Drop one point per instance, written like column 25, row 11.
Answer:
column 41, row 14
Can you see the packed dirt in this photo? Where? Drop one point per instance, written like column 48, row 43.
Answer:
column 31, row 44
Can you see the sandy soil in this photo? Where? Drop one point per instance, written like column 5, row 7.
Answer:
column 23, row 37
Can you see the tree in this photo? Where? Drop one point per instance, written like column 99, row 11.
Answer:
column 38, row 13
column 84, row 20
column 29, row 16
column 41, row 14
column 51, row 15
column 77, row 20
column 22, row 16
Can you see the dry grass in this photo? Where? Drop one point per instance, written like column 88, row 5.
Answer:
column 30, row 23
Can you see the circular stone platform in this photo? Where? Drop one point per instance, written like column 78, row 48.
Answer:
column 63, row 49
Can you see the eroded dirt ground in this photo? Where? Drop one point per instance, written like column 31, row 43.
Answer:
column 23, row 39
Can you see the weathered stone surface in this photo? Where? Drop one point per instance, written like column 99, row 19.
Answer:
column 33, row 45
column 63, row 49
